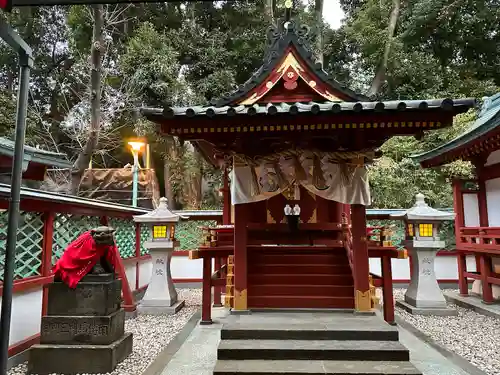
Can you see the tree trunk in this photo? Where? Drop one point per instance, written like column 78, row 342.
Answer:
column 269, row 11
column 318, row 19
column 85, row 155
column 198, row 181
column 380, row 75
column 169, row 194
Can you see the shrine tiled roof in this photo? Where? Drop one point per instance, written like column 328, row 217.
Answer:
column 280, row 38
column 458, row 106
column 35, row 155
column 488, row 120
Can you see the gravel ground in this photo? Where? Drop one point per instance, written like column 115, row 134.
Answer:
column 151, row 335
column 473, row 336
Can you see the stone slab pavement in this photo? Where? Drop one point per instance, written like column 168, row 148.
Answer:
column 198, row 354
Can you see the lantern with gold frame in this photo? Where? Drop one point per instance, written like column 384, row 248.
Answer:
column 161, row 296
column 422, row 222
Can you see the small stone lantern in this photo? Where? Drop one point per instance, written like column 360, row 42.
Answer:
column 423, row 296
column 161, row 296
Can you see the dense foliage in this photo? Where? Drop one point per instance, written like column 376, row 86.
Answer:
column 180, row 53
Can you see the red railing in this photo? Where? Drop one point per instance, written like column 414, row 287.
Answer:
column 484, row 244
column 218, row 245
column 383, row 281
column 479, row 239
column 49, row 222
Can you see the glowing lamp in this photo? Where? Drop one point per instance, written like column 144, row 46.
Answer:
column 423, row 222
column 136, row 145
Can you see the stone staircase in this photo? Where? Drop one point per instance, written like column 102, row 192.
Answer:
column 311, row 343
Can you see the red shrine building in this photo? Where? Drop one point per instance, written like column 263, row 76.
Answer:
column 477, row 202
column 296, row 145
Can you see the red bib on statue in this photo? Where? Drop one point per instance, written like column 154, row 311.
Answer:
column 80, row 257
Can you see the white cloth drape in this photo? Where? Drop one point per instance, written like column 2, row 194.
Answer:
column 348, row 188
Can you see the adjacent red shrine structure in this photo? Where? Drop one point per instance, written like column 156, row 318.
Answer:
column 292, row 135
column 477, row 223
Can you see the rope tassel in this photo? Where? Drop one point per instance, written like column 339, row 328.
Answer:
column 254, row 182
column 282, row 183
column 300, row 173
column 318, row 178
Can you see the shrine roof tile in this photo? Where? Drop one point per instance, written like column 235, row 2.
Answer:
column 280, row 36
column 35, row 155
column 488, row 120
column 458, row 105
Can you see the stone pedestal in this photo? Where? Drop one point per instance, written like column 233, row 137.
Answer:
column 161, row 296
column 84, row 329
column 423, row 296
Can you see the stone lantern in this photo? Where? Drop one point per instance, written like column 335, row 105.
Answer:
column 423, row 296
column 160, row 296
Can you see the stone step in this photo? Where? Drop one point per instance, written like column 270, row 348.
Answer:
column 47, row 359
column 304, row 302
column 365, row 329
column 328, row 350
column 253, row 367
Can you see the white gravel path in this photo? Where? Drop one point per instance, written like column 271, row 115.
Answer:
column 151, row 335
column 473, row 336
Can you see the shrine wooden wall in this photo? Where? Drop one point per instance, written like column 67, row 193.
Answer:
column 313, row 209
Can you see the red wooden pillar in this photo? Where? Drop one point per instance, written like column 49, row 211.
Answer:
column 217, row 289
column 137, row 253
column 336, row 211
column 240, row 257
column 477, row 258
column 387, row 289
column 46, row 268
column 462, row 269
column 206, row 297
column 482, row 204
column 226, row 198
column 486, row 268
column 360, row 258
column 458, row 207
column 226, row 220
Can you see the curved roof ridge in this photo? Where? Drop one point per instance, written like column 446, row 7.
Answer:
column 279, row 38
column 488, row 119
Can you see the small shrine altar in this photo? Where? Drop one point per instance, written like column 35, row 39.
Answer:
column 292, row 136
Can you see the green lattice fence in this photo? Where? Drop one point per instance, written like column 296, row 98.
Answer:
column 125, row 236
column 189, row 233
column 67, row 228
column 29, row 244
column 144, row 237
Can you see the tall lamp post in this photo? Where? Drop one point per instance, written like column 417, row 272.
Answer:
column 26, row 63
column 136, row 147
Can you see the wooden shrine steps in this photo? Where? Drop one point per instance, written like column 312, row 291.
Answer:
column 299, row 277
column 311, row 343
